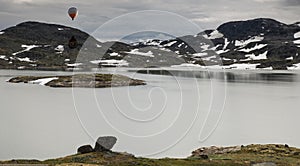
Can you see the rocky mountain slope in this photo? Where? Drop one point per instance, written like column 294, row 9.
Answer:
column 260, row 43
column 37, row 45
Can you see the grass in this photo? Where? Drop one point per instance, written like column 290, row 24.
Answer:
column 279, row 154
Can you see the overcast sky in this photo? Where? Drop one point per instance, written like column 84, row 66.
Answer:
column 93, row 13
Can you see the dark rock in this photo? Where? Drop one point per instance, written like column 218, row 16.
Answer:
column 105, row 143
column 296, row 153
column 73, row 43
column 85, row 149
column 100, row 148
column 203, row 156
column 286, row 145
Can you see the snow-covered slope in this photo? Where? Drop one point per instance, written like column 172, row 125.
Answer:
column 258, row 43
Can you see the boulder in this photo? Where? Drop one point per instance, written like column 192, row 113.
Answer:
column 105, row 143
column 203, row 156
column 85, row 149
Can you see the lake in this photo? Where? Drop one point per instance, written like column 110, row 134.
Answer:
column 178, row 111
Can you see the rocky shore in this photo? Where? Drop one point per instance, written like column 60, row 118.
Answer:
column 250, row 155
column 80, row 80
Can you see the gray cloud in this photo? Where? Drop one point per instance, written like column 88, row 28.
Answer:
column 291, row 2
column 93, row 13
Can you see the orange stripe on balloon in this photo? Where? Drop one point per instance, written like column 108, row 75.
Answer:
column 72, row 15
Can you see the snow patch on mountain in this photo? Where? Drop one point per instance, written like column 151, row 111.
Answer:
column 137, row 52
column 214, row 35
column 250, row 56
column 215, row 47
column 241, row 66
column 181, row 44
column 114, row 54
column 187, row 65
column 204, row 47
column 226, row 43
column 294, row 67
column 60, row 29
column 152, row 43
column 259, row 57
column 1, row 33
column 60, row 49
column 43, row 81
column 4, row 57
column 226, row 59
column 190, row 65
column 256, row 47
column 252, row 39
column 201, row 54
column 297, row 42
column 74, row 64
column 111, row 62
column 222, row 51
column 170, row 44
column 165, row 49
column 26, row 59
column 27, row 48
column 297, row 35
column 209, row 58
column 21, row 67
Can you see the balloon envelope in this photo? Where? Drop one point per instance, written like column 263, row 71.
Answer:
column 72, row 12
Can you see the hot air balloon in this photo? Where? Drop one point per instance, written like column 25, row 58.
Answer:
column 72, row 12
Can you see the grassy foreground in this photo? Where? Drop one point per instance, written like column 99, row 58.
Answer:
column 255, row 155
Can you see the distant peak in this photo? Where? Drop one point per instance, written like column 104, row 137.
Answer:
column 243, row 29
column 36, row 23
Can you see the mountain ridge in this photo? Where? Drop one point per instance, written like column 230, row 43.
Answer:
column 260, row 43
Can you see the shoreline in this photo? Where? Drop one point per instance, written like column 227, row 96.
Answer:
column 254, row 154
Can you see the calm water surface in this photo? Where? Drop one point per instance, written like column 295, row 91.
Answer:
column 176, row 112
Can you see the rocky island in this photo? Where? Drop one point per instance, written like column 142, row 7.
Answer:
column 80, row 80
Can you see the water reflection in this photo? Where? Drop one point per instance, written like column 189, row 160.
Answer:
column 229, row 76
column 260, row 77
